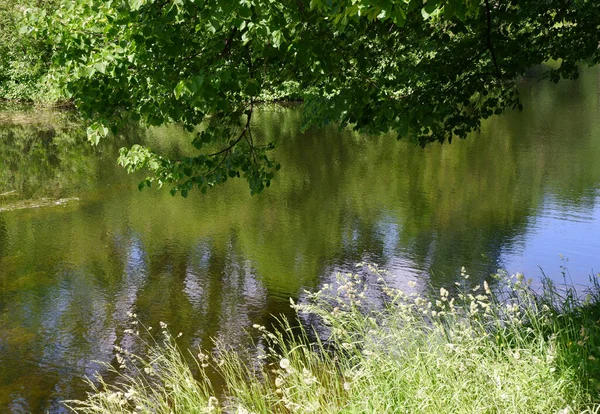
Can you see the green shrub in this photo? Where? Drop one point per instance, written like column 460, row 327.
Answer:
column 24, row 61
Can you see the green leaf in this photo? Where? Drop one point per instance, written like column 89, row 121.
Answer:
column 278, row 38
column 95, row 132
column 251, row 88
column 90, row 71
column 135, row 5
column 100, row 67
column 245, row 12
column 179, row 89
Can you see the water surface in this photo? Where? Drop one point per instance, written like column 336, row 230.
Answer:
column 80, row 246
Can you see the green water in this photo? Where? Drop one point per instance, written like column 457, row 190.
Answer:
column 80, row 246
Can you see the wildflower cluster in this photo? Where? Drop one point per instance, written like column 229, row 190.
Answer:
column 494, row 345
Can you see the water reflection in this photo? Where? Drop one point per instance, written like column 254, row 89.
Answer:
column 516, row 195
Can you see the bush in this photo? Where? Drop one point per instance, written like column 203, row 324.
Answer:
column 24, row 61
column 509, row 350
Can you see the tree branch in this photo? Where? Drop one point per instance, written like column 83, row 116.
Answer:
column 246, row 128
column 227, row 47
column 490, row 46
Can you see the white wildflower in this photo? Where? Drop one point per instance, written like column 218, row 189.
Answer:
column 242, row 410
column 285, row 363
column 213, row 402
column 308, row 377
column 473, row 307
column 130, row 393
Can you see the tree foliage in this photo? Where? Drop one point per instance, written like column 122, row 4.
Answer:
column 429, row 71
column 24, row 60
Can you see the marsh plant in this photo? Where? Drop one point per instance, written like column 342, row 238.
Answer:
column 496, row 347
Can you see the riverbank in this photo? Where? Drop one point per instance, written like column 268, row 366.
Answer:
column 497, row 347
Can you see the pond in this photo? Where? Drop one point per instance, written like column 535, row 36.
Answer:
column 81, row 247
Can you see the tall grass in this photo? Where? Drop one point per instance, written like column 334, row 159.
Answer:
column 510, row 350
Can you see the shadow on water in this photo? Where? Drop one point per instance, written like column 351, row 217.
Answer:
column 213, row 265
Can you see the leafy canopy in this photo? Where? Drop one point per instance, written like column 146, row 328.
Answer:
column 426, row 70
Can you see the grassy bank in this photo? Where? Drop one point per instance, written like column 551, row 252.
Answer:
column 505, row 349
